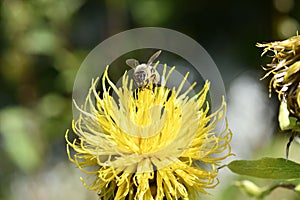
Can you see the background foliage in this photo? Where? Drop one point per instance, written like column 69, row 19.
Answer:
column 43, row 43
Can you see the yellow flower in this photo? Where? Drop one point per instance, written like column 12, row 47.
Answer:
column 149, row 143
column 285, row 71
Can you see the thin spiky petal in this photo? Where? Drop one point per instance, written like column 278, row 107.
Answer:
column 152, row 143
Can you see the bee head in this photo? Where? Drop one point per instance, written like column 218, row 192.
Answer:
column 140, row 77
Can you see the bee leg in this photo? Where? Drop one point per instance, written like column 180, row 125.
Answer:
column 148, row 81
column 152, row 77
column 294, row 133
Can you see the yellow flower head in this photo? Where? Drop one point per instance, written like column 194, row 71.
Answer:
column 148, row 143
column 285, row 71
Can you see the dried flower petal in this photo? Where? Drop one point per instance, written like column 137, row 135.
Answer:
column 285, row 71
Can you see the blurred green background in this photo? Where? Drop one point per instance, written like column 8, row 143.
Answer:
column 43, row 43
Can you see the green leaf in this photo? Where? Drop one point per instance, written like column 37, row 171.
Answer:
column 272, row 168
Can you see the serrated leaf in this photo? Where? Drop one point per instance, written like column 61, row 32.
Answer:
column 271, row 168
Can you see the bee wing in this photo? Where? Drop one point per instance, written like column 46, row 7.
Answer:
column 153, row 57
column 132, row 63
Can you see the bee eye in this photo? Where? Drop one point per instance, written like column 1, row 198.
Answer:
column 140, row 76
